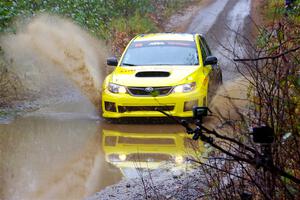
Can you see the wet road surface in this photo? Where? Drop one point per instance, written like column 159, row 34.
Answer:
column 65, row 151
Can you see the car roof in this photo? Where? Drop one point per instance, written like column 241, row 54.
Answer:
column 165, row 36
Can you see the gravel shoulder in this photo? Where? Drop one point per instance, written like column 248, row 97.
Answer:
column 166, row 183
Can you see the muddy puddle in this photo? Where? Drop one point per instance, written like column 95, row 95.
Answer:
column 51, row 158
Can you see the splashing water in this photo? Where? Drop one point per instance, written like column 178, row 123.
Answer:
column 50, row 54
column 229, row 103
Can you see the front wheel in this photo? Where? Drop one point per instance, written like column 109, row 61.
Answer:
column 209, row 95
column 220, row 79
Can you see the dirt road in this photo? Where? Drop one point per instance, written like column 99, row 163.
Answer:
column 217, row 20
column 65, row 151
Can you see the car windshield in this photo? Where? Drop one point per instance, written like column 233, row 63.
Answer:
column 161, row 53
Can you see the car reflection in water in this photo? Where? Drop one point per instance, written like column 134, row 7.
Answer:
column 133, row 152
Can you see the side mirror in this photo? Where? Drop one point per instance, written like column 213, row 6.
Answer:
column 210, row 60
column 112, row 61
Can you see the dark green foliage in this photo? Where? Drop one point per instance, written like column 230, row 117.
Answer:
column 94, row 15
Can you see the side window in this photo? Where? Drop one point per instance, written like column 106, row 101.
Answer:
column 206, row 46
column 203, row 51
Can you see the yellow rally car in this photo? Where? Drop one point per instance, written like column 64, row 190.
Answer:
column 171, row 72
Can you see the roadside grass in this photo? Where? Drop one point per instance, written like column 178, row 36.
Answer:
column 93, row 15
column 275, row 10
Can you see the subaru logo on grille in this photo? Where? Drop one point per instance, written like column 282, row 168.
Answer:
column 149, row 89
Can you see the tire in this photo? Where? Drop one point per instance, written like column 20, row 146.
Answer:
column 220, row 81
column 208, row 96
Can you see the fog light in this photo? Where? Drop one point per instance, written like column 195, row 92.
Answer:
column 188, row 105
column 110, row 106
column 179, row 159
column 122, row 157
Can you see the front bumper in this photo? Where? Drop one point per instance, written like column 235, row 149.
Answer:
column 175, row 104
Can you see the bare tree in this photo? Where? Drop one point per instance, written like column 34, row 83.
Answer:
column 272, row 70
column 239, row 167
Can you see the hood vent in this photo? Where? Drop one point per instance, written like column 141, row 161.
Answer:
column 152, row 74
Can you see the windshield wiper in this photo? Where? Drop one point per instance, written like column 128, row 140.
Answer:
column 128, row 64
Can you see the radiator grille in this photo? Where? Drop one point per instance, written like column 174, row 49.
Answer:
column 149, row 91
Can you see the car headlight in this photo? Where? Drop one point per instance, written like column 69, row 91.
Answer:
column 114, row 88
column 185, row 88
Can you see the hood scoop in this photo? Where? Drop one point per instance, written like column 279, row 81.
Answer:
column 152, row 74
